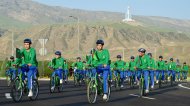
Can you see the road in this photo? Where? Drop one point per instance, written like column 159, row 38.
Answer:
column 76, row 96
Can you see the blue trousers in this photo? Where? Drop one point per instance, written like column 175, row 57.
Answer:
column 30, row 72
column 184, row 75
column 173, row 73
column 146, row 74
column 104, row 72
column 178, row 75
column 58, row 72
column 158, row 72
column 65, row 74
column 11, row 72
column 122, row 76
column 151, row 77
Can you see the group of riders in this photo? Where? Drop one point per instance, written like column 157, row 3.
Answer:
column 97, row 64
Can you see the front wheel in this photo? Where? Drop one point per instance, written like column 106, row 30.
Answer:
column 160, row 81
column 92, row 91
column 52, row 85
column 141, row 88
column 16, row 90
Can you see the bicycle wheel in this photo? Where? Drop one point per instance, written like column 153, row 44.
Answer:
column 131, row 82
column 35, row 89
column 160, row 81
column 92, row 91
column 171, row 80
column 116, row 83
column 52, row 85
column 16, row 90
column 141, row 87
column 8, row 78
column 75, row 80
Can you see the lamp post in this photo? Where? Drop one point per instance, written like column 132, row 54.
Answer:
column 76, row 18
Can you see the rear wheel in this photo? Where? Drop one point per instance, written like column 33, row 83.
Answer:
column 141, row 87
column 92, row 91
column 160, row 81
column 132, row 82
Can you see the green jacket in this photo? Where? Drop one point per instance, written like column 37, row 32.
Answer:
column 132, row 66
column 178, row 68
column 152, row 64
column 10, row 64
column 172, row 66
column 120, row 65
column 112, row 66
column 57, row 63
column 101, row 57
column 160, row 65
column 126, row 67
column 89, row 63
column 65, row 66
column 185, row 68
column 79, row 65
column 143, row 62
column 166, row 67
column 29, row 57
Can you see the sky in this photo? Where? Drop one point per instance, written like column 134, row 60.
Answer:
column 179, row 9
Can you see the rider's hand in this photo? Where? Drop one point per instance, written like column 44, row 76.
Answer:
column 29, row 64
column 105, row 65
column 135, row 68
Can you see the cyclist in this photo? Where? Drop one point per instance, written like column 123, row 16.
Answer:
column 11, row 66
column 166, row 70
column 178, row 69
column 57, row 64
column 65, row 70
column 185, row 70
column 152, row 70
column 101, row 60
column 79, row 68
column 142, row 65
column 119, row 64
column 160, row 69
column 132, row 71
column 126, row 71
column 89, row 63
column 29, row 63
column 172, row 68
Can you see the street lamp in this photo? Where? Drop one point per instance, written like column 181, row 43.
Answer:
column 76, row 18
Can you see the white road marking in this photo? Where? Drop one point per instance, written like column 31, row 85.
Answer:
column 143, row 96
column 180, row 85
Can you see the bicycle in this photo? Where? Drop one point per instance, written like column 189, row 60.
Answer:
column 117, row 80
column 160, row 80
column 95, row 88
column 142, row 85
column 132, row 80
column 9, row 78
column 19, row 87
column 77, row 78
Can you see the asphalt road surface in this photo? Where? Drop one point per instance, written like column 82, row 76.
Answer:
column 178, row 95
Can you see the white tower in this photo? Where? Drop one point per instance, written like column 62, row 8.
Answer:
column 128, row 16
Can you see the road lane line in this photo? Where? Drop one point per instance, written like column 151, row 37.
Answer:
column 180, row 85
column 143, row 97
